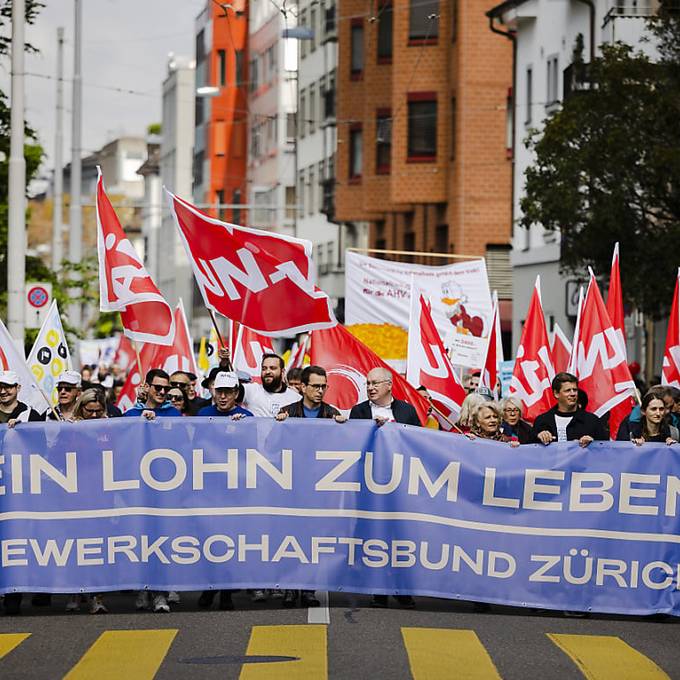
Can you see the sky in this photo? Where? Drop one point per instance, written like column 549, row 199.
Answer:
column 125, row 45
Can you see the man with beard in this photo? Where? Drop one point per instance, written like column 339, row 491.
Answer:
column 267, row 399
column 68, row 391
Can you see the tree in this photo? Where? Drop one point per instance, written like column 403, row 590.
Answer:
column 607, row 168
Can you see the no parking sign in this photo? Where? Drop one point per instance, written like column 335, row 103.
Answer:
column 37, row 302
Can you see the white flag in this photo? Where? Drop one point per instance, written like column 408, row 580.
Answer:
column 12, row 359
column 50, row 357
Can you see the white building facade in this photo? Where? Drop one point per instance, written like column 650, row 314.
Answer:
column 546, row 32
column 175, row 278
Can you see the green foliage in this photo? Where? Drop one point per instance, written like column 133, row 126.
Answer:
column 33, row 8
column 607, row 169
column 154, row 129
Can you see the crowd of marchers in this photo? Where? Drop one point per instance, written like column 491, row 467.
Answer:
column 300, row 394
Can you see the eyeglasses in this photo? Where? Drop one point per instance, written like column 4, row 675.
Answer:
column 321, row 388
column 161, row 388
column 510, row 410
column 93, row 411
column 7, row 388
column 375, row 383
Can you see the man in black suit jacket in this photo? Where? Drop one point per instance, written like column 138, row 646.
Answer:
column 381, row 406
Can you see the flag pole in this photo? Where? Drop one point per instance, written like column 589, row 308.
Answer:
column 446, row 418
column 139, row 361
column 49, row 403
column 219, row 337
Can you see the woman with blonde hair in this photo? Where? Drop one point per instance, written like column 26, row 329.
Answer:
column 486, row 423
column 91, row 405
column 512, row 425
column 467, row 408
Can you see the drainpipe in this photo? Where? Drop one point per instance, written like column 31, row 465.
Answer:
column 591, row 7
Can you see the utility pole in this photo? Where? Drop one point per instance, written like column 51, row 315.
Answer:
column 16, row 245
column 75, row 241
column 58, row 200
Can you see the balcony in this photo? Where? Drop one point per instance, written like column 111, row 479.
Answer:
column 576, row 79
column 632, row 9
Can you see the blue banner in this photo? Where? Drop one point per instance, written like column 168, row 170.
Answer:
column 196, row 503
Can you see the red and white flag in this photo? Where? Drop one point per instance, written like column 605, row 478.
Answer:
column 125, row 354
column 617, row 316
column 347, row 361
column 598, row 358
column 428, row 363
column 124, row 284
column 494, row 350
column 534, row 371
column 670, row 371
column 260, row 279
column 179, row 356
column 561, row 350
column 297, row 354
column 248, row 352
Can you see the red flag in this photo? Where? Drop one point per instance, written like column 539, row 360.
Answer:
column 124, row 284
column 561, row 350
column 347, row 361
column 250, row 346
column 297, row 354
column 670, row 371
column 176, row 357
column 617, row 316
column 125, row 354
column 428, row 363
column 534, row 371
column 260, row 279
column 600, row 361
column 489, row 375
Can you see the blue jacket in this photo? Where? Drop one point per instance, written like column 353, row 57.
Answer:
column 163, row 411
column 212, row 410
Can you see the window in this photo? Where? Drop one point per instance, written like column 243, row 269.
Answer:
column 357, row 49
column 530, row 96
column 239, row 67
column 383, row 142
column 221, row 68
column 254, row 73
column 236, row 212
column 409, row 242
column 290, row 203
column 454, row 20
column 200, row 46
column 312, row 108
column 356, row 152
column 329, row 96
column 423, row 25
column 199, row 109
column 271, row 63
column 198, row 168
column 219, row 199
column 422, row 126
column 441, row 238
column 552, row 65
column 290, row 126
column 302, row 112
column 303, row 43
column 311, row 189
column 312, row 25
column 301, row 194
column 330, row 19
column 385, row 22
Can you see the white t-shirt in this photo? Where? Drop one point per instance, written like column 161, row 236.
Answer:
column 561, row 423
column 267, row 404
column 384, row 412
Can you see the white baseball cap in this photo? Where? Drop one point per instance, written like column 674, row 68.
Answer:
column 9, row 378
column 69, row 377
column 227, row 379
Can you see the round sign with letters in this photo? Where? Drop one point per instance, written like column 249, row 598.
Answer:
column 37, row 297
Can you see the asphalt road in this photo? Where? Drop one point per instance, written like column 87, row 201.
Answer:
column 439, row 639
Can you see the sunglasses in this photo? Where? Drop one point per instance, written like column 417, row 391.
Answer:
column 65, row 388
column 161, row 388
column 181, row 385
column 176, row 397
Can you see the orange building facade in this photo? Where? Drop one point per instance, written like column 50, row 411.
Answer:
column 221, row 132
column 424, row 154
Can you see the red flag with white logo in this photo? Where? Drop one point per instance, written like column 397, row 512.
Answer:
column 347, row 361
column 125, row 354
column 561, row 350
column 534, row 371
column 297, row 354
column 260, row 279
column 617, row 316
column 428, row 363
column 250, row 347
column 670, row 371
column 124, row 284
column 599, row 358
column 494, row 350
column 179, row 356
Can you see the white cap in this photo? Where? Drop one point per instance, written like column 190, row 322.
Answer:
column 9, row 378
column 69, row 377
column 226, row 379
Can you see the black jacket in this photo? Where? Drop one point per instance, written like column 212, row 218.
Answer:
column 33, row 416
column 402, row 411
column 297, row 411
column 632, row 429
column 582, row 423
column 522, row 430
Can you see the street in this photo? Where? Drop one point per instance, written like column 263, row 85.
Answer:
column 439, row 639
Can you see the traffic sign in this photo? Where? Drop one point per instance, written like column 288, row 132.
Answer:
column 37, row 302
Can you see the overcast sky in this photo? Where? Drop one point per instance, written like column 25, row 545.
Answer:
column 125, row 45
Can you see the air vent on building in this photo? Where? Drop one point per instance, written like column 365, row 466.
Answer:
column 499, row 270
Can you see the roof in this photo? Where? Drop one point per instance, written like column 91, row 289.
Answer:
column 499, row 10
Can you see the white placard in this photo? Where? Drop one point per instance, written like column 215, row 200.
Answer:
column 378, row 292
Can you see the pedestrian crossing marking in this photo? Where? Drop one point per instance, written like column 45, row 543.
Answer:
column 606, row 657
column 440, row 653
column 129, row 654
column 8, row 641
column 307, row 643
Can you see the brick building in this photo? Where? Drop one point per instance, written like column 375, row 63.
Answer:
column 423, row 118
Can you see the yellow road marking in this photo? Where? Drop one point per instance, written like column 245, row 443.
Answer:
column 606, row 657
column 308, row 643
column 127, row 654
column 440, row 653
column 8, row 641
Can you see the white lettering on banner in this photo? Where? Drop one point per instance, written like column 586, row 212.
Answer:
column 39, row 466
column 256, row 461
column 201, row 468
column 418, row 474
column 329, row 481
column 110, row 484
column 599, row 348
